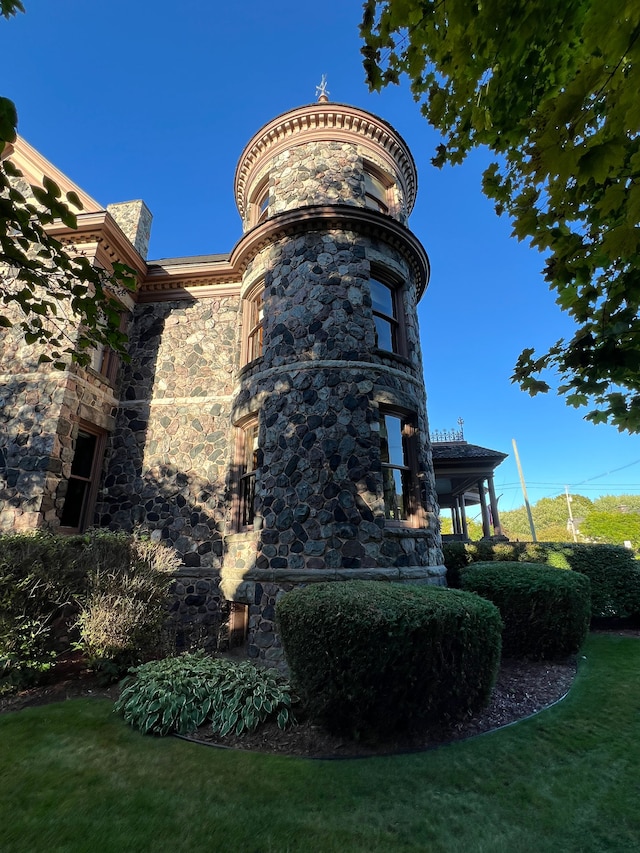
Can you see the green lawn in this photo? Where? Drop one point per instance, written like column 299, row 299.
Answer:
column 74, row 777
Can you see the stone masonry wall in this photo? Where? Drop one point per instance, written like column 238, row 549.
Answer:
column 317, row 391
column 40, row 410
column 167, row 463
column 323, row 173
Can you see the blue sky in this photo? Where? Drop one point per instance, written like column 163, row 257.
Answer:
column 155, row 100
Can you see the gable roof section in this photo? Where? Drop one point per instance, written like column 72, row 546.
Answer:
column 34, row 167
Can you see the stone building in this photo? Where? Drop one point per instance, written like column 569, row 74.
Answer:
column 271, row 424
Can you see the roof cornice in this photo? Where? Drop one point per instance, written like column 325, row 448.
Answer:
column 320, row 122
column 101, row 229
column 204, row 279
column 340, row 217
column 222, row 276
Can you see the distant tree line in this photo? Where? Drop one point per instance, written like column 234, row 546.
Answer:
column 612, row 519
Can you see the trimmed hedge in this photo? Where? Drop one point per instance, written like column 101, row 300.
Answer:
column 613, row 571
column 370, row 658
column 545, row 611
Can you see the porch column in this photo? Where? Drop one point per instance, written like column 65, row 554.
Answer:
column 497, row 529
column 454, row 516
column 486, row 527
column 463, row 516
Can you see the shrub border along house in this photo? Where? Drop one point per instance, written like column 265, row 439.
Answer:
column 370, row 658
column 613, row 571
column 545, row 611
column 102, row 592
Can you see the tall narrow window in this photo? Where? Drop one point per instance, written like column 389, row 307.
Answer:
column 105, row 362
column 248, row 466
column 82, row 483
column 103, row 359
column 263, row 205
column 260, row 201
column 385, row 315
column 376, row 189
column 254, row 318
column 397, row 435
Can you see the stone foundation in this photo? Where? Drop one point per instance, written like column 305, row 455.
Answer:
column 198, row 612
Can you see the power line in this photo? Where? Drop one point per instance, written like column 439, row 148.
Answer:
column 612, row 471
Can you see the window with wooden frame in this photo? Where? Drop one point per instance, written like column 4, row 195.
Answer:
column 387, row 318
column 253, row 318
column 248, row 463
column 82, row 485
column 398, row 456
column 104, row 360
column 260, row 201
column 377, row 186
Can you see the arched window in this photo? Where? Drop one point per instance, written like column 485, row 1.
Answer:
column 260, row 201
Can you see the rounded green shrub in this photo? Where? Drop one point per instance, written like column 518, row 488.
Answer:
column 370, row 658
column 545, row 610
column 613, row 570
column 615, row 578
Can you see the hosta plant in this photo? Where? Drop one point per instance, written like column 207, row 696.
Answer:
column 181, row 693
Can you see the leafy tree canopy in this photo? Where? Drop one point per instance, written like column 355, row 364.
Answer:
column 65, row 303
column 617, row 503
column 552, row 89
column 550, row 516
column 614, row 528
column 473, row 528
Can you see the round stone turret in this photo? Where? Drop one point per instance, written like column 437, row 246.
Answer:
column 325, row 153
column 334, row 472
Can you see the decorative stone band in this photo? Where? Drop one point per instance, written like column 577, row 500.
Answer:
column 285, row 372
column 239, row 586
column 332, row 123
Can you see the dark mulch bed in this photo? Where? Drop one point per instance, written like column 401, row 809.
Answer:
column 522, row 689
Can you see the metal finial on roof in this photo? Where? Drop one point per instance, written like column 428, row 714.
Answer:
column 322, row 92
column 461, row 425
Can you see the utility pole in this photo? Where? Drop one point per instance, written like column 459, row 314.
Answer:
column 573, row 524
column 524, row 491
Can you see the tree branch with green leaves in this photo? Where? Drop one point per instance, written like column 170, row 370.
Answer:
column 552, row 90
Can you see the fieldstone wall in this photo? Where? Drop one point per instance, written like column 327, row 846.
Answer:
column 168, row 460
column 134, row 218
column 198, row 612
column 323, row 173
column 40, row 412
